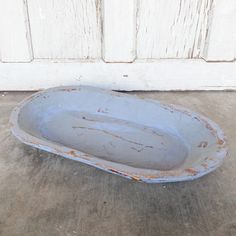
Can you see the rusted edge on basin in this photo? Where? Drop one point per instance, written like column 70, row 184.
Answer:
column 209, row 164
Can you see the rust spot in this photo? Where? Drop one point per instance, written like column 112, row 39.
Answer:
column 203, row 144
column 117, row 172
column 135, row 177
column 205, row 165
column 151, row 176
column 220, row 141
column 34, row 142
column 214, row 132
column 191, row 171
column 114, row 171
column 208, row 126
column 72, row 153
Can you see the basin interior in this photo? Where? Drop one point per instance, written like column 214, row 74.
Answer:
column 115, row 140
column 119, row 129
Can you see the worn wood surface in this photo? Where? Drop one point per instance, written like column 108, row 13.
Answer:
column 65, row 29
column 164, row 75
column 15, row 35
column 137, row 32
column 172, row 29
column 221, row 45
column 119, row 30
column 44, row 194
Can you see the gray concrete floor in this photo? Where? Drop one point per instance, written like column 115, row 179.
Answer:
column 44, row 194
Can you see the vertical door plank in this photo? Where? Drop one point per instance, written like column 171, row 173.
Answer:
column 119, row 30
column 172, row 29
column 65, row 29
column 15, row 41
column 221, row 45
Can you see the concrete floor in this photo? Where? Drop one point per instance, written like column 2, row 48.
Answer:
column 44, row 194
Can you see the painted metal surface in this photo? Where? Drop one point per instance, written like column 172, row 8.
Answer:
column 135, row 138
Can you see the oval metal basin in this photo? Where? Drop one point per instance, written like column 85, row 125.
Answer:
column 135, row 138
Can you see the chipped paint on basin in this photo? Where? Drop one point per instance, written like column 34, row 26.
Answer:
column 135, row 138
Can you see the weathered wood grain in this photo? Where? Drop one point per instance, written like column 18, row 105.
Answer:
column 15, row 40
column 119, row 30
column 65, row 29
column 172, row 29
column 221, row 43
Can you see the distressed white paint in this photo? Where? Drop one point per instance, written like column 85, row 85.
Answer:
column 172, row 29
column 15, row 42
column 221, row 45
column 65, row 29
column 162, row 75
column 62, row 30
column 119, row 30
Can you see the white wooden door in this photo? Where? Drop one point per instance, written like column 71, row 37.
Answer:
column 118, row 44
